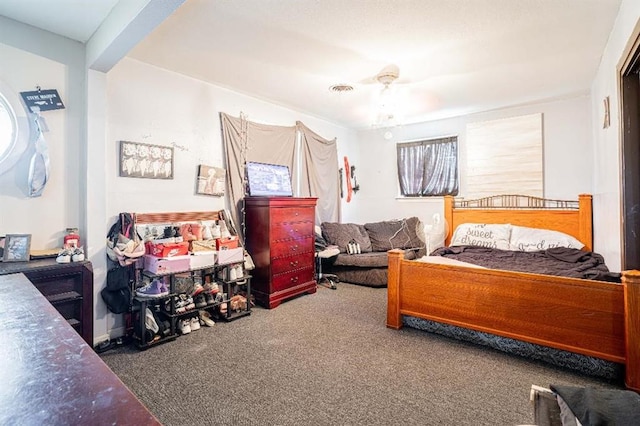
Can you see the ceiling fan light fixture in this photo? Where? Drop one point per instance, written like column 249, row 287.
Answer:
column 340, row 88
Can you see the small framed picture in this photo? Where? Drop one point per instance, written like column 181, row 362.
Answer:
column 143, row 160
column 16, row 247
column 211, row 180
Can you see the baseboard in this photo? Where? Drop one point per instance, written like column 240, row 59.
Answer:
column 114, row 333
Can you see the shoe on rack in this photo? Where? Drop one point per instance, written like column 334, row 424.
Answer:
column 64, row 256
column 205, row 319
column 232, row 274
column 200, row 301
column 189, row 303
column 150, row 321
column 77, row 254
column 211, row 287
column 163, row 285
column 195, row 323
column 209, row 298
column 239, row 271
column 181, row 304
column 197, row 289
column 184, row 326
column 151, row 290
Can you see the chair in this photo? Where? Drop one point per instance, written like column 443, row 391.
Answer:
column 325, row 253
column 327, row 280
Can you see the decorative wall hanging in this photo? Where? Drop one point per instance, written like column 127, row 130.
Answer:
column 607, row 112
column 143, row 160
column 211, row 180
column 347, row 171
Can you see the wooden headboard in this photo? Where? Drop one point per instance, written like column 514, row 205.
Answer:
column 571, row 217
column 142, row 218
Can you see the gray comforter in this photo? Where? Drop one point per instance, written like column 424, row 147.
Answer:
column 560, row 261
column 601, row 407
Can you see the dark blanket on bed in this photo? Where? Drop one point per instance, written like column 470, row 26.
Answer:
column 560, row 261
column 601, row 407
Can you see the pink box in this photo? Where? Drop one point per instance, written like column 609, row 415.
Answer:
column 230, row 256
column 166, row 265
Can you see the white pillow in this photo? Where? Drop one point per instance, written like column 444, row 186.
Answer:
column 534, row 239
column 482, row 234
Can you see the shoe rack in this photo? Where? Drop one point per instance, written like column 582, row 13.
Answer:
column 165, row 306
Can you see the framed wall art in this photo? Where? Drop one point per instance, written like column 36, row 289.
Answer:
column 143, row 160
column 16, row 247
column 211, row 180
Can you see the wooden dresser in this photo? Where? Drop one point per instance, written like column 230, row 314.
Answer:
column 281, row 240
column 67, row 286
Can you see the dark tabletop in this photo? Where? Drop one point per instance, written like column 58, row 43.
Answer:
column 48, row 373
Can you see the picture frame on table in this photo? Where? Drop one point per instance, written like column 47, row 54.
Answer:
column 143, row 160
column 16, row 248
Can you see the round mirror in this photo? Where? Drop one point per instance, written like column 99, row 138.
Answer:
column 8, row 128
column 14, row 128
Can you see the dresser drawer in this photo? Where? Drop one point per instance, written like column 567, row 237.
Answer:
column 295, row 230
column 292, row 279
column 285, row 248
column 285, row 264
column 292, row 214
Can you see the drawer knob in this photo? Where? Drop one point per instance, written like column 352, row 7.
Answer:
column 294, row 248
column 293, row 263
column 294, row 279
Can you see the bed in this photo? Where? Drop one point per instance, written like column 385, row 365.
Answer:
column 592, row 318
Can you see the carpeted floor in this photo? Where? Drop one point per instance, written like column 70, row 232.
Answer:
column 328, row 359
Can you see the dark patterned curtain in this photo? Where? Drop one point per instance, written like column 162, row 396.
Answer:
column 429, row 167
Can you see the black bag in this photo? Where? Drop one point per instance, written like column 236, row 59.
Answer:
column 120, row 277
column 118, row 301
column 117, row 293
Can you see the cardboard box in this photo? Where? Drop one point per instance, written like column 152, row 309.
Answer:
column 230, row 256
column 227, row 243
column 166, row 265
column 167, row 249
column 202, row 259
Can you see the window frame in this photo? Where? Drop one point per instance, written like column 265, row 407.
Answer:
column 430, row 141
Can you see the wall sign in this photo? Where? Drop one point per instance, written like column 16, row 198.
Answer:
column 45, row 100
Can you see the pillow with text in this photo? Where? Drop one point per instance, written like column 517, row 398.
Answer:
column 483, row 235
column 536, row 239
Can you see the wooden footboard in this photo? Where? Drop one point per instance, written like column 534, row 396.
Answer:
column 592, row 318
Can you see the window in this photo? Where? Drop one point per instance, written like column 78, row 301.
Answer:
column 428, row 167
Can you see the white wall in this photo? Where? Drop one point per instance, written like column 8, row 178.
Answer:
column 567, row 158
column 30, row 58
column 151, row 105
column 606, row 167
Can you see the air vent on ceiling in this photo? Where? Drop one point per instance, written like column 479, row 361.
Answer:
column 341, row 88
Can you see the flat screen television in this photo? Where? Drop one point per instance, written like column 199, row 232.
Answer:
column 268, row 180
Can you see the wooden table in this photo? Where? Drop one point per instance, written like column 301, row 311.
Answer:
column 48, row 373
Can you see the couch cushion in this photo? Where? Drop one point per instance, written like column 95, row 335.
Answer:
column 363, row 260
column 376, row 259
column 340, row 234
column 392, row 234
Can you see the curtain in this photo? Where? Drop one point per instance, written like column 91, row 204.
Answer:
column 319, row 173
column 247, row 141
column 428, row 168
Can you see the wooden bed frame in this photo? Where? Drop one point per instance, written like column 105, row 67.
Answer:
column 593, row 318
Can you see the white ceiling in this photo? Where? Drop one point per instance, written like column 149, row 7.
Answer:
column 455, row 56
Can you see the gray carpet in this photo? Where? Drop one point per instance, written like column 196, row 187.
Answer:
column 328, row 359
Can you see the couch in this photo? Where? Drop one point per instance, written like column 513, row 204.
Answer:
column 369, row 267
